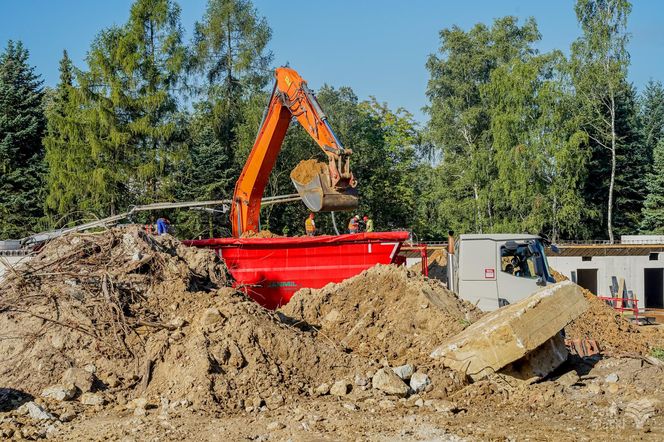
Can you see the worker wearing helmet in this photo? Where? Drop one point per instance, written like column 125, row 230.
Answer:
column 368, row 224
column 310, row 225
column 354, row 224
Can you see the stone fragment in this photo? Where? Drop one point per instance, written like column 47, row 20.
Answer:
column 612, row 388
column 611, row 378
column 60, row 392
column 340, row 388
column 388, row 382
column 510, row 333
column 351, row 407
column 323, row 389
column 594, row 389
column 568, row 379
column 404, row 371
column 35, row 411
column 67, row 415
column 81, row 378
column 211, row 316
column 419, row 382
column 92, row 399
column 361, row 380
column 274, row 401
column 273, row 426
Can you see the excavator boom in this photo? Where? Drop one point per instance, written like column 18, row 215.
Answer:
column 327, row 188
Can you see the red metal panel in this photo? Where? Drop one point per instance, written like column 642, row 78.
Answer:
column 270, row 270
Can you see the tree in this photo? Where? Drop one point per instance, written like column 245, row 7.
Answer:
column 652, row 116
column 460, row 125
column 131, row 109
column 538, row 160
column 230, row 63
column 230, row 52
column 68, row 156
column 653, row 208
column 21, row 151
column 599, row 70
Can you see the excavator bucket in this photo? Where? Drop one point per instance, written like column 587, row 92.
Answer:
column 311, row 180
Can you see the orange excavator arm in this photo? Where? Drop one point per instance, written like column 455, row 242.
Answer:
column 333, row 189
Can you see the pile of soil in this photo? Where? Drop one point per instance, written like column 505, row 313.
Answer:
column 438, row 265
column 385, row 312
column 261, row 234
column 152, row 318
column 613, row 333
column 307, row 170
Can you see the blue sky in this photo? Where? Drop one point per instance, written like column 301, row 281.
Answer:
column 378, row 47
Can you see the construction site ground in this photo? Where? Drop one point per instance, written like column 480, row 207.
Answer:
column 123, row 336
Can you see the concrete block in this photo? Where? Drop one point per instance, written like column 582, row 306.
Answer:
column 510, row 333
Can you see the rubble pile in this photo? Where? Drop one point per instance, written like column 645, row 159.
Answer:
column 139, row 317
column 613, row 333
column 384, row 312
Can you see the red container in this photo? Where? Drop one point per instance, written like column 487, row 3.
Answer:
column 270, row 270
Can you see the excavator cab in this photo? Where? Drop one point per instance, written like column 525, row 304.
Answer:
column 315, row 183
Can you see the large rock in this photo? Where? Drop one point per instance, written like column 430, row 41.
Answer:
column 508, row 334
column 79, row 377
column 388, row 382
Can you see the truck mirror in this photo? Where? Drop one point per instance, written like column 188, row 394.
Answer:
column 555, row 249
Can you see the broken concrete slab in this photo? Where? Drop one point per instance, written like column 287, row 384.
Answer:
column 539, row 362
column 508, row 334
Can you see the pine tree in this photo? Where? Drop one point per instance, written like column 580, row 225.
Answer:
column 230, row 62
column 21, row 151
column 652, row 116
column 68, row 155
column 131, row 109
column 653, row 210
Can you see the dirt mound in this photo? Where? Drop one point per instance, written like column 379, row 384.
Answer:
column 438, row 265
column 384, row 312
column 612, row 332
column 307, row 170
column 150, row 317
column 261, row 234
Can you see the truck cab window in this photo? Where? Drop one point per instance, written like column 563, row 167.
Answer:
column 519, row 260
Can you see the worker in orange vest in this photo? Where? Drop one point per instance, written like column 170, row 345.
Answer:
column 310, row 225
column 354, row 224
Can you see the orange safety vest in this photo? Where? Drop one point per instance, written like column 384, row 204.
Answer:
column 309, row 225
column 353, row 224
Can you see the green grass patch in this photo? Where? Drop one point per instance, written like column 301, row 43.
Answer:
column 657, row 353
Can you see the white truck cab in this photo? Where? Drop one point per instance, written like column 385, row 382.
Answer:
column 493, row 270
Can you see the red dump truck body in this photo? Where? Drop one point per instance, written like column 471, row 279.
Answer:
column 270, row 270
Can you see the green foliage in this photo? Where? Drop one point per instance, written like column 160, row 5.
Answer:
column 130, row 106
column 517, row 140
column 653, row 209
column 21, row 152
column 657, row 353
column 68, row 154
column 598, row 67
column 538, row 161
